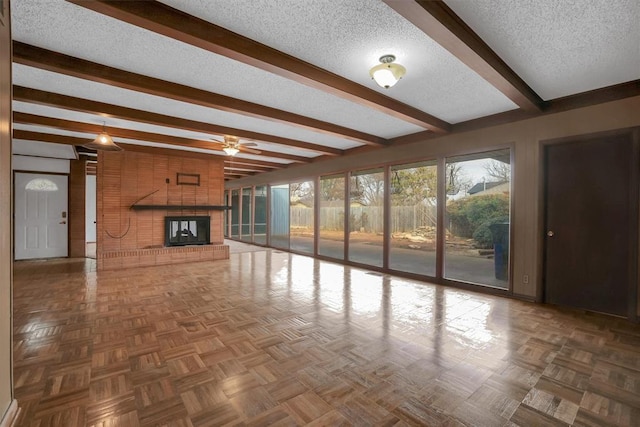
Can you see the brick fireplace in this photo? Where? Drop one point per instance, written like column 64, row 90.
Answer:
column 137, row 191
column 186, row 230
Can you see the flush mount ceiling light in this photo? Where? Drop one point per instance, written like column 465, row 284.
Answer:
column 387, row 73
column 103, row 142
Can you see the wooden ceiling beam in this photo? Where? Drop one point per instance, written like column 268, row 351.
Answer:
column 442, row 25
column 170, row 22
column 73, row 126
column 28, row 135
column 41, row 97
column 74, row 140
column 237, row 173
column 228, row 177
column 251, row 162
column 247, row 168
column 33, row 56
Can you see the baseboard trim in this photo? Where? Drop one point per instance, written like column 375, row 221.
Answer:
column 10, row 418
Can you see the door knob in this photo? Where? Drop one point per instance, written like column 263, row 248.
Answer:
column 62, row 222
column 550, row 233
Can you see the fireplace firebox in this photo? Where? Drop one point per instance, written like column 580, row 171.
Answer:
column 186, row 230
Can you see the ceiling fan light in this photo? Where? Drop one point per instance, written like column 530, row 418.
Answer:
column 387, row 73
column 231, row 151
column 103, row 142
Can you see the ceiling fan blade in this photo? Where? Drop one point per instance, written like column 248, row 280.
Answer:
column 243, row 148
column 249, row 144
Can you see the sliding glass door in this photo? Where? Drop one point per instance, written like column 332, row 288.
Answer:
column 225, row 215
column 235, row 214
column 245, row 232
column 260, row 215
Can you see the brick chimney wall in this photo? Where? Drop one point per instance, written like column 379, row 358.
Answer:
column 130, row 238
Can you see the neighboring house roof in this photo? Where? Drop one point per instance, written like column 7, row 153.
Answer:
column 490, row 188
column 484, row 186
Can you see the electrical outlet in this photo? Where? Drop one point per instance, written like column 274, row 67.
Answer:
column 525, row 279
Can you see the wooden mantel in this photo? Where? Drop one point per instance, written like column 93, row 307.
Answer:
column 180, row 207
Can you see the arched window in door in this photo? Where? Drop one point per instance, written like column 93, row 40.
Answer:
column 41, row 184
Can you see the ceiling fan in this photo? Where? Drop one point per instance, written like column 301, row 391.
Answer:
column 232, row 145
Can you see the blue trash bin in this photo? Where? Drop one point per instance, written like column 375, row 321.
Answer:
column 500, row 234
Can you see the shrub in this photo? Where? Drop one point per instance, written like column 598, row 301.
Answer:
column 472, row 216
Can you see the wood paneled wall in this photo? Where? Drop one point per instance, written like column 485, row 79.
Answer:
column 8, row 406
column 77, row 207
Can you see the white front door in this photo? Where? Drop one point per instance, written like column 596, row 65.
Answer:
column 41, row 216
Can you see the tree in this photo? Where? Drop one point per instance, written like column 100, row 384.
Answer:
column 420, row 184
column 498, row 170
column 413, row 186
column 332, row 189
column 368, row 189
column 456, row 179
column 301, row 190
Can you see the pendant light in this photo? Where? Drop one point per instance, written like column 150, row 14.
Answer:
column 103, row 142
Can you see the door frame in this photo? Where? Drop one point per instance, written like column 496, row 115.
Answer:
column 13, row 214
column 633, row 293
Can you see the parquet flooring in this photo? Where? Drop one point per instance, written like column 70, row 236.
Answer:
column 270, row 338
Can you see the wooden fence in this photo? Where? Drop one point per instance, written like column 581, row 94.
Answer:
column 366, row 218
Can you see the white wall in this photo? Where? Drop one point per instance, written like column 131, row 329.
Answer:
column 90, row 209
column 40, row 164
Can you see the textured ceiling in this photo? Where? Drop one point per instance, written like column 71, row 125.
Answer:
column 560, row 47
column 348, row 38
column 553, row 49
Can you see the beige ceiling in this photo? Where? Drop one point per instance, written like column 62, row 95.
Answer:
column 294, row 77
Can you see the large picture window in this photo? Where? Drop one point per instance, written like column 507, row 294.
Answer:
column 366, row 217
column 301, row 231
column 456, row 228
column 478, row 218
column 331, row 233
column 414, row 192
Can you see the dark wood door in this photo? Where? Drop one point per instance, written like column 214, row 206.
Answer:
column 591, row 216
